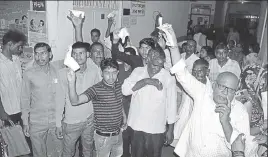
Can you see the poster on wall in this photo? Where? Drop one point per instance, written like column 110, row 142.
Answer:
column 126, row 21
column 13, row 15
column 39, row 5
column 137, row 8
column 37, row 30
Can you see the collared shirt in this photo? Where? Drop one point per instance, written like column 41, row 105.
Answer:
column 203, row 135
column 84, row 80
column 189, row 61
column 10, row 83
column 216, row 69
column 151, row 109
column 107, row 105
column 40, row 95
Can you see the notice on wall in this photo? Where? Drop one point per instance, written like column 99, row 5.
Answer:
column 13, row 15
column 126, row 21
column 137, row 8
column 133, row 20
column 37, row 27
column 39, row 5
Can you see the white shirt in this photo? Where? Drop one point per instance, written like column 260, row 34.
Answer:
column 77, row 114
column 10, row 84
column 203, row 135
column 216, row 69
column 151, row 109
column 189, row 61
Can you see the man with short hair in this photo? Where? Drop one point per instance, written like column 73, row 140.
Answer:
column 222, row 63
column 189, row 56
column 217, row 118
column 11, row 77
column 134, row 61
column 95, row 33
column 108, row 109
column 41, row 94
column 77, row 121
column 148, row 117
column 96, row 53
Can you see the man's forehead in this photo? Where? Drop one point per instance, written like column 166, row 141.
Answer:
column 77, row 50
column 221, row 51
column 41, row 49
column 199, row 66
column 97, row 48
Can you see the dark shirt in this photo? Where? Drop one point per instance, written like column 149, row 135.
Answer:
column 121, row 77
column 133, row 61
column 107, row 106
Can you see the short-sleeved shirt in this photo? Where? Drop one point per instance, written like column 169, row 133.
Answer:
column 107, row 105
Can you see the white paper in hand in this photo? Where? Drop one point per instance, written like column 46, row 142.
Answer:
column 69, row 61
column 168, row 37
column 77, row 13
column 111, row 14
column 123, row 34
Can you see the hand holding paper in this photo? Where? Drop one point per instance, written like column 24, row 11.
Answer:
column 69, row 60
column 123, row 33
column 111, row 14
column 169, row 34
column 76, row 17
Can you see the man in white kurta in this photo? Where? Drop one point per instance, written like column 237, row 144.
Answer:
column 203, row 135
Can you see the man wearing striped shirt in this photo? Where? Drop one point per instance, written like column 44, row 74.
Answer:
column 108, row 110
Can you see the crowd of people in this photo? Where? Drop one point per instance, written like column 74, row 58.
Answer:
column 127, row 101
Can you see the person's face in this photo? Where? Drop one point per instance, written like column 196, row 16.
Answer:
column 110, row 75
column 41, row 23
column 16, row 48
column 80, row 55
column 231, row 29
column 191, row 47
column 42, row 56
column 221, row 55
column 17, row 22
column 155, row 62
column 97, row 54
column 251, row 58
column 231, row 44
column 223, row 90
column 200, row 72
column 203, row 53
column 95, row 37
column 144, row 49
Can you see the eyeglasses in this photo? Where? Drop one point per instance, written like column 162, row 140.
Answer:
column 222, row 87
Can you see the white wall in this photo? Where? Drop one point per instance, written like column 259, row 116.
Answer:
column 60, row 29
column 174, row 12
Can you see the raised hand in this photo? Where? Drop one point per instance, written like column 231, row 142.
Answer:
column 77, row 21
column 110, row 21
column 71, row 77
column 59, row 133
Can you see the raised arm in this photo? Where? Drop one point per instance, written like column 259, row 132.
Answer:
column 74, row 97
column 25, row 98
column 78, row 24
column 108, row 31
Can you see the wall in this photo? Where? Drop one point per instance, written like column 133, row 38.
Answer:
column 174, row 12
column 61, row 30
column 219, row 14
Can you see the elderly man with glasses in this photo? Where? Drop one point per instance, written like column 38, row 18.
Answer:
column 217, row 118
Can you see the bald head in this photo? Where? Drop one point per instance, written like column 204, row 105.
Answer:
column 229, row 79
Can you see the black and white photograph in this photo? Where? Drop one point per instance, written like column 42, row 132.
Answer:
column 133, row 78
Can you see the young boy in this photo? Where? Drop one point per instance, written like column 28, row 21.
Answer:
column 108, row 110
